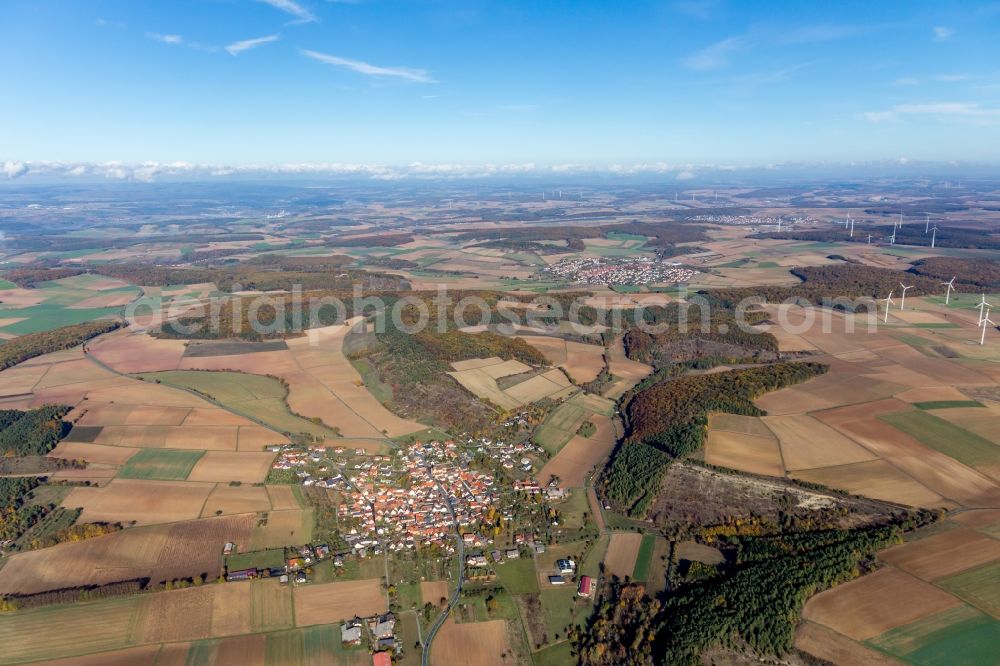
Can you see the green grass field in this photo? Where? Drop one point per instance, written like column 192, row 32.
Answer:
column 251, row 395
column 947, row 404
column 557, row 655
column 272, row 557
column 962, row 445
column 960, row 635
column 518, row 576
column 559, row 607
column 285, row 647
column 160, row 464
column 980, row 587
column 644, row 558
column 560, row 426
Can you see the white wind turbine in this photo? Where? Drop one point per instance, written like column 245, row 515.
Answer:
column 779, row 224
column 951, row 285
column 927, row 224
column 902, row 302
column 982, row 304
column 900, row 219
column 852, row 227
column 933, row 236
column 984, row 323
column 869, row 239
column 888, row 302
column 892, row 239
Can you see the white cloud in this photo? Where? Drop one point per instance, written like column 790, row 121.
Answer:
column 175, row 40
column 246, row 44
column 686, row 175
column 966, row 111
column 417, row 75
column 13, row 169
column 942, row 33
column 291, row 7
column 713, row 56
column 906, row 81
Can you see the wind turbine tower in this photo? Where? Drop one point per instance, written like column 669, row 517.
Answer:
column 933, row 236
column 852, row 227
column 982, row 304
column 927, row 224
column 888, row 303
column 902, row 302
column 951, row 285
column 986, row 322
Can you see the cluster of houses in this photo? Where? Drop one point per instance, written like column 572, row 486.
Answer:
column 639, row 270
column 508, row 455
column 381, row 631
column 412, row 505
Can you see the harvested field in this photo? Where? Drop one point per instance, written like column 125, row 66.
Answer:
column 284, row 528
column 332, row 602
column 247, row 650
column 581, row 454
column 92, row 453
column 967, row 448
column 471, row 644
column 622, row 550
column 807, row 443
column 872, row 605
column 748, row 453
column 943, row 554
column 162, row 464
column 160, row 552
column 876, row 479
column 224, row 466
column 145, row 502
column 830, row 646
column 82, row 628
column 137, row 656
column 982, row 422
column 936, row 471
column 255, row 438
column 211, row 438
column 554, row 349
column 282, row 497
column 270, row 605
column 629, row 372
column 129, row 352
column 433, row 591
column 193, row 613
column 696, row 552
column 746, row 425
column 227, row 500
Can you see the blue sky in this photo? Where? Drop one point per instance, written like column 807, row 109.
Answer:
column 475, row 82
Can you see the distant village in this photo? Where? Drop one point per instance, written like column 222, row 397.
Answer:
column 632, row 271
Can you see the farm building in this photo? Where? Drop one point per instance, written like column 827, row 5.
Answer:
column 566, row 566
column 241, row 574
column 381, row 659
column 586, row 588
column 350, row 632
column 383, row 626
column 557, row 580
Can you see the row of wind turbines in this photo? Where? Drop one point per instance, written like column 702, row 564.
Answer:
column 898, row 224
column 982, row 306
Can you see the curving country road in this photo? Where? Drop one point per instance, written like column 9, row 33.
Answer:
column 432, row 632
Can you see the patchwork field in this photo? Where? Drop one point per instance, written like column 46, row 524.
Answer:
column 562, row 424
column 479, row 376
column 225, row 466
column 749, row 453
column 332, row 602
column 622, row 551
column 471, row 644
column 575, row 460
column 583, row 362
column 628, row 372
column 158, row 552
column 160, row 464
